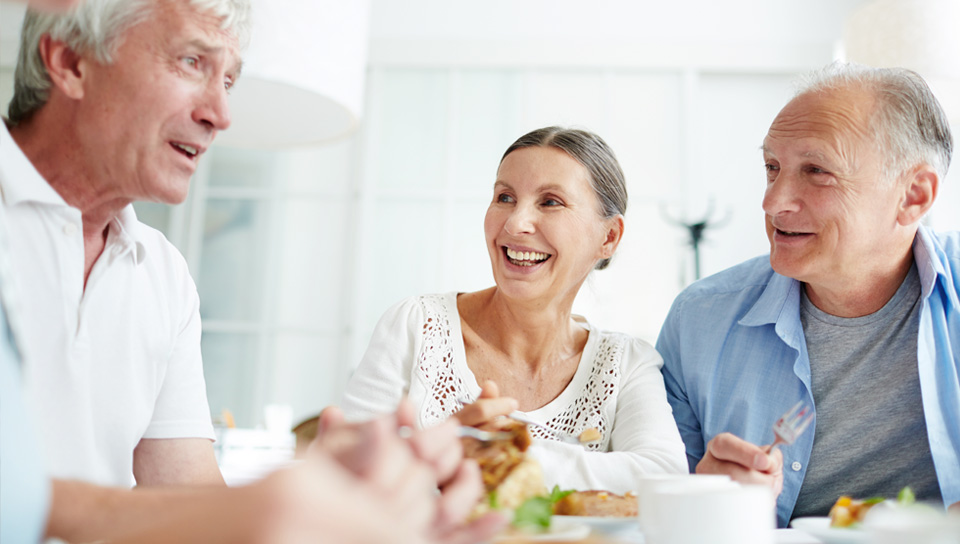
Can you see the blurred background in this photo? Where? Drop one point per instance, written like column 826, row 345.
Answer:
column 367, row 136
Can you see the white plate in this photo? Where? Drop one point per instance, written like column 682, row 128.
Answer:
column 561, row 530
column 605, row 524
column 820, row 528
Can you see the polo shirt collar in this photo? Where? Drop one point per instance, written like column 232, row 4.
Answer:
column 127, row 232
column 19, row 180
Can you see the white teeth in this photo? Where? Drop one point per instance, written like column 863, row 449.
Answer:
column 526, row 255
column 187, row 148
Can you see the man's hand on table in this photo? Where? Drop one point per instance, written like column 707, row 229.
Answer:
column 743, row 462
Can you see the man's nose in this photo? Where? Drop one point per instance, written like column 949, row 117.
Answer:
column 781, row 195
column 213, row 108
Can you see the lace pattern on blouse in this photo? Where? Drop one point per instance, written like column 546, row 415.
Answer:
column 435, row 364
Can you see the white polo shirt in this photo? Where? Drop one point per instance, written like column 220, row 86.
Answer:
column 109, row 365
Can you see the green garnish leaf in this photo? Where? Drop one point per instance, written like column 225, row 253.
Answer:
column 874, row 500
column 534, row 514
column 492, row 499
column 906, row 496
column 556, row 494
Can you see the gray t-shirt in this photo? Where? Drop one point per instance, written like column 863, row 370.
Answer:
column 871, row 437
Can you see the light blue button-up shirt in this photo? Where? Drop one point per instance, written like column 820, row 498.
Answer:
column 24, row 488
column 735, row 359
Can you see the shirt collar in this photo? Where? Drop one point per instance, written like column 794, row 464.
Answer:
column 781, row 297
column 929, row 260
column 19, row 180
column 773, row 301
column 778, row 305
column 126, row 233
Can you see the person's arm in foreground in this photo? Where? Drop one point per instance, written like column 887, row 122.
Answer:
column 387, row 494
column 438, row 448
column 311, row 502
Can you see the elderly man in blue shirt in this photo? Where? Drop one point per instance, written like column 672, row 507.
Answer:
column 855, row 311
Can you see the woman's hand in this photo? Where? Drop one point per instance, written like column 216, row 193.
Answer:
column 488, row 406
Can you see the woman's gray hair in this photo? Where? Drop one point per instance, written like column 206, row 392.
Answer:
column 96, row 27
column 606, row 176
column 912, row 125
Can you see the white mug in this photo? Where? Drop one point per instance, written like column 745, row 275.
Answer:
column 724, row 514
column 650, row 484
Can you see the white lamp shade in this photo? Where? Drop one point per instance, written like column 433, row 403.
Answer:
column 922, row 35
column 303, row 74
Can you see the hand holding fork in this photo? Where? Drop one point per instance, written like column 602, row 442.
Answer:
column 495, row 405
column 749, row 463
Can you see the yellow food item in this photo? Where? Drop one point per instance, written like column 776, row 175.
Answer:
column 848, row 511
column 589, row 435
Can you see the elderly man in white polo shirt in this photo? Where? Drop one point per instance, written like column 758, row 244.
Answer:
column 114, row 102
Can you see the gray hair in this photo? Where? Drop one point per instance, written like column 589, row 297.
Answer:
column 912, row 127
column 606, row 176
column 96, row 27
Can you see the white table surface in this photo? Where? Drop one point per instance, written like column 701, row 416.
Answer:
column 781, row 536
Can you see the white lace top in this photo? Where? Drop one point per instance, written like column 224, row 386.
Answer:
column 417, row 350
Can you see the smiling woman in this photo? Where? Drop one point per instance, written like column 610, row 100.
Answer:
column 556, row 215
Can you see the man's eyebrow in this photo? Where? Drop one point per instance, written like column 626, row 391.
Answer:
column 814, row 155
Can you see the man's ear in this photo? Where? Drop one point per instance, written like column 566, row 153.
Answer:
column 64, row 66
column 613, row 237
column 920, row 190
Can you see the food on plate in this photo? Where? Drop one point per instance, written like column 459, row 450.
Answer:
column 847, row 511
column 597, row 503
column 850, row 512
column 589, row 435
column 512, row 480
column 509, row 476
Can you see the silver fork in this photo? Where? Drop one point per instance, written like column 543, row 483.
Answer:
column 481, row 435
column 792, row 424
column 517, row 415
column 473, row 432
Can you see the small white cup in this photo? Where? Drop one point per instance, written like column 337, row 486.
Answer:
column 651, row 484
column 278, row 418
column 723, row 514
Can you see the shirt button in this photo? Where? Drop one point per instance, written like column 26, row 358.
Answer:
column 796, row 466
column 70, row 229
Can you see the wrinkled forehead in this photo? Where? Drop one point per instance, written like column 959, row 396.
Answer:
column 839, row 116
column 190, row 23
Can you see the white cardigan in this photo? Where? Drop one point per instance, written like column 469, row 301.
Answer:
column 417, row 350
